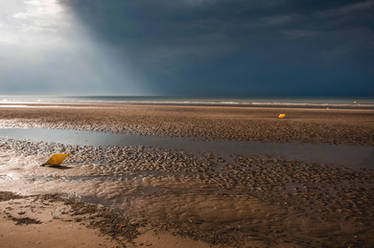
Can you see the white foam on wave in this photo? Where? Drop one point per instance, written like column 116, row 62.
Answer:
column 23, row 101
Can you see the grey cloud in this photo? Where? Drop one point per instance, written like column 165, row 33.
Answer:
column 238, row 46
column 364, row 6
column 226, row 47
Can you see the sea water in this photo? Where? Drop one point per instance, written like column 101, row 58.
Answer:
column 314, row 102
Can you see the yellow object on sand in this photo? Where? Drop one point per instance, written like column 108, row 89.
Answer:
column 281, row 116
column 57, row 159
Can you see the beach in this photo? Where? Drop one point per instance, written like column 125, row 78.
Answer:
column 308, row 125
column 154, row 196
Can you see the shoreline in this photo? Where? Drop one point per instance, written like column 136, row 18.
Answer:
column 303, row 106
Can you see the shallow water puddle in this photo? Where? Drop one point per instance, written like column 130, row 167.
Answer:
column 345, row 155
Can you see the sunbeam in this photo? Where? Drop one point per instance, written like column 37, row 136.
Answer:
column 45, row 49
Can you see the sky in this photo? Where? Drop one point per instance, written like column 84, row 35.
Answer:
column 218, row 48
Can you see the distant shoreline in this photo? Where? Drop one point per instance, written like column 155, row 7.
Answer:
column 357, row 106
column 264, row 102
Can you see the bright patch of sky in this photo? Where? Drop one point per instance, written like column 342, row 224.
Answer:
column 33, row 23
column 44, row 49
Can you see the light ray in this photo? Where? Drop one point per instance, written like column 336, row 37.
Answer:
column 44, row 48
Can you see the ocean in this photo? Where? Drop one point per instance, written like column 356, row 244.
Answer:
column 310, row 102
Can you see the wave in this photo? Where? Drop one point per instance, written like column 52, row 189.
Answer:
column 366, row 103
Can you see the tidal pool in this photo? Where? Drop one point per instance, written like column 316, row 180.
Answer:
column 343, row 155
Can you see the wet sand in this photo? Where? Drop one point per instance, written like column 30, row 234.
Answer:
column 34, row 222
column 332, row 126
column 48, row 220
column 139, row 196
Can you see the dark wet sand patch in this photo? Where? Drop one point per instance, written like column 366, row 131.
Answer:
column 24, row 221
column 6, row 196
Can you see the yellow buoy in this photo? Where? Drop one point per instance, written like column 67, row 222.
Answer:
column 56, row 159
column 281, row 116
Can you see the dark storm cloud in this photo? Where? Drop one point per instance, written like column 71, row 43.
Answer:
column 239, row 47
